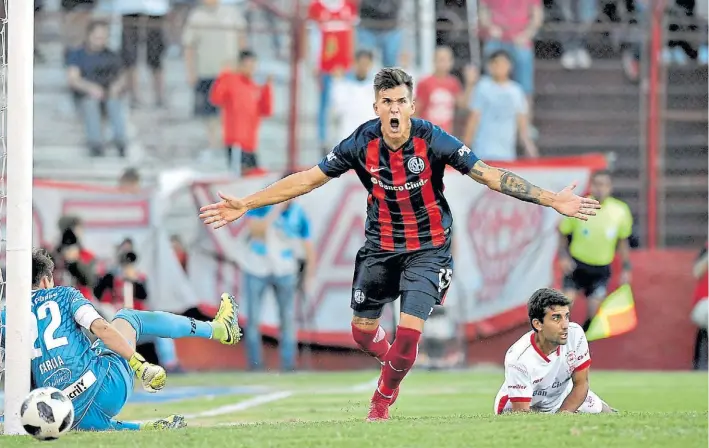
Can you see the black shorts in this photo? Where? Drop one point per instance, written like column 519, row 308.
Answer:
column 592, row 280
column 421, row 278
column 154, row 39
column 202, row 106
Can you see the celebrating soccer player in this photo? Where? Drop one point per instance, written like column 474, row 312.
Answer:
column 99, row 378
column 546, row 370
column 400, row 161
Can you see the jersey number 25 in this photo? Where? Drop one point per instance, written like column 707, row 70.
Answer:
column 49, row 310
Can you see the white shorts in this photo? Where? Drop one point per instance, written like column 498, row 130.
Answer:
column 591, row 405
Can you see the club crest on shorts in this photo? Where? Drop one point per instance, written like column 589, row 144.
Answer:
column 416, row 165
column 358, row 296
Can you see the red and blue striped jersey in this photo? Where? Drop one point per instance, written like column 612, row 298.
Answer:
column 406, row 209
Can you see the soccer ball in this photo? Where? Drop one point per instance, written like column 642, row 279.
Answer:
column 47, row 413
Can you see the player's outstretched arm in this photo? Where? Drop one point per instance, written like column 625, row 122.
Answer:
column 578, row 393
column 231, row 208
column 511, row 184
column 151, row 376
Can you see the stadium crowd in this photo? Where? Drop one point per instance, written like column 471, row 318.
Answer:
column 347, row 40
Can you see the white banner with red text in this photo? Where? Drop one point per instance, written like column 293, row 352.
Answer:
column 504, row 248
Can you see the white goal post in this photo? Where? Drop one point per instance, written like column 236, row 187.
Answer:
column 17, row 109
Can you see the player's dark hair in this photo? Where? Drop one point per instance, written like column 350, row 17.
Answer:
column 499, row 54
column 541, row 301
column 42, row 266
column 391, row 77
column 246, row 54
column 364, row 54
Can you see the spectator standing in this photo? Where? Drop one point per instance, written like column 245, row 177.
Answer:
column 275, row 232
column 144, row 20
column 352, row 96
column 579, row 16
column 499, row 113
column 440, row 94
column 700, row 310
column 379, row 29
column 97, row 79
column 511, row 25
column 213, row 34
column 244, row 103
column 335, row 20
column 586, row 260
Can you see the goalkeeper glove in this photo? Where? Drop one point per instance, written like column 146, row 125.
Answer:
column 153, row 377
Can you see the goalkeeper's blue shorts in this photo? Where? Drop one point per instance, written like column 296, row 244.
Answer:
column 114, row 381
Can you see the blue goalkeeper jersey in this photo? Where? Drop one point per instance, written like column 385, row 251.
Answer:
column 61, row 353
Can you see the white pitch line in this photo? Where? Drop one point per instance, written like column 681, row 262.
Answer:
column 243, row 405
column 270, row 398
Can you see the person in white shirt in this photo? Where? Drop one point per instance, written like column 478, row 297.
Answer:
column 353, row 97
column 547, row 369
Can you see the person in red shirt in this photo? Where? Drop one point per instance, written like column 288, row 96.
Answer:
column 244, row 103
column 440, row 94
column 336, row 22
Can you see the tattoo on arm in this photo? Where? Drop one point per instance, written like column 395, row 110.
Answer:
column 477, row 171
column 517, row 187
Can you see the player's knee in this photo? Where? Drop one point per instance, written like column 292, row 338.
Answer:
column 131, row 317
column 365, row 338
column 366, row 324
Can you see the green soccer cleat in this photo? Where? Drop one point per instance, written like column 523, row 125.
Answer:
column 171, row 422
column 226, row 323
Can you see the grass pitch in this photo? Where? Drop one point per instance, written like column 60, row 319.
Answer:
column 435, row 409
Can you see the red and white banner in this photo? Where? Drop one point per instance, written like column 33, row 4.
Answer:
column 108, row 217
column 504, row 249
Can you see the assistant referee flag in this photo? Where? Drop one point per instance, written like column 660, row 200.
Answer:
column 615, row 316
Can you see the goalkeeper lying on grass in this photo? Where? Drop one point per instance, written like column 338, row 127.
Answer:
column 99, row 378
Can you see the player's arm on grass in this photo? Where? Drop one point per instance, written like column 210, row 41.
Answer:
column 578, row 393
column 579, row 377
column 519, row 386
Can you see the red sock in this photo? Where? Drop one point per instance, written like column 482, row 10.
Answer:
column 373, row 343
column 399, row 359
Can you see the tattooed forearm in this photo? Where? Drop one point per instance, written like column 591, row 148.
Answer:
column 509, row 183
column 517, row 187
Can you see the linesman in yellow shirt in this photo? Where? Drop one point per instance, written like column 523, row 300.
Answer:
column 586, row 261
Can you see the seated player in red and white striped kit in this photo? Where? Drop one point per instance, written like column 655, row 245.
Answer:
column 547, row 369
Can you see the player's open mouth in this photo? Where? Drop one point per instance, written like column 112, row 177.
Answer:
column 394, row 123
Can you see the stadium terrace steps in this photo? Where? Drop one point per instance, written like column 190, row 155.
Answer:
column 594, row 110
column 597, row 110
column 684, row 172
